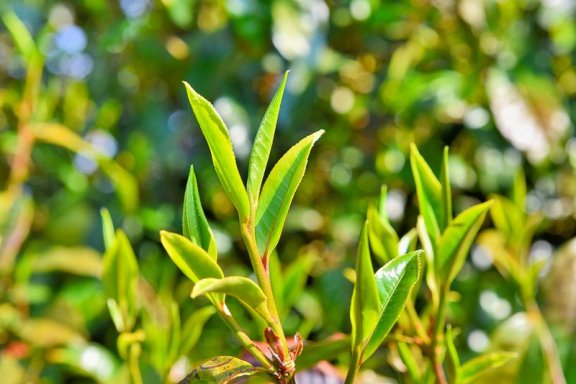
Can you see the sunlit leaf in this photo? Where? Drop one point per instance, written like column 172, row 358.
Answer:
column 429, row 191
column 107, row 228
column 47, row 333
column 383, row 238
column 278, row 191
column 446, row 191
column 394, row 282
column 192, row 260
column 365, row 303
column 194, row 222
column 222, row 370
column 241, row 288
column 478, row 366
column 457, row 239
column 216, row 135
column 91, row 359
column 263, row 143
column 20, row 34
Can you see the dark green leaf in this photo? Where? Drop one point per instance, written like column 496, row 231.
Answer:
column 194, row 223
column 278, row 191
column 192, row 329
column 327, row 349
column 216, row 135
column 263, row 144
column 394, row 282
column 241, row 288
column 457, row 239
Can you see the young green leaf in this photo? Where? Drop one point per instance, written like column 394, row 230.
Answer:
column 20, row 34
column 278, row 191
column 394, row 282
column 192, row 260
column 478, row 366
column 221, row 369
column 429, row 191
column 519, row 190
column 383, row 238
column 241, row 288
column 446, row 191
column 107, row 228
column 263, row 143
column 452, row 359
column 457, row 240
column 216, row 135
column 194, row 223
column 120, row 279
column 365, row 303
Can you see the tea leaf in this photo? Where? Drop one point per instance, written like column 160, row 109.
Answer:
column 365, row 304
column 383, row 238
column 107, row 228
column 478, row 366
column 194, row 223
column 429, row 191
column 222, row 370
column 457, row 240
column 263, row 143
column 452, row 359
column 394, row 282
column 120, row 278
column 192, row 260
column 446, row 191
column 278, row 191
column 216, row 135
column 241, row 288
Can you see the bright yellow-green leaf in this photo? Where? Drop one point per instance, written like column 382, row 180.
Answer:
column 278, row 191
column 192, row 260
column 365, row 303
column 194, row 222
column 107, row 228
column 47, row 333
column 20, row 34
column 394, row 282
column 457, row 240
column 446, row 191
column 216, row 135
column 263, row 143
column 383, row 238
column 478, row 366
column 82, row 261
column 429, row 191
column 241, row 288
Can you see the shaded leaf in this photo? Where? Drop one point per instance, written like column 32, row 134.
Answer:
column 241, row 288
column 194, row 222
column 429, row 191
column 82, row 261
column 478, row 366
column 394, row 281
column 192, row 329
column 216, row 135
column 263, row 143
column 452, row 358
column 278, row 191
column 327, row 349
column 457, row 240
column 295, row 278
column 120, row 278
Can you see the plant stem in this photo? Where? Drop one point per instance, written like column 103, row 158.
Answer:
column 354, row 367
column 547, row 342
column 438, row 336
column 264, row 282
column 134, row 366
column 245, row 339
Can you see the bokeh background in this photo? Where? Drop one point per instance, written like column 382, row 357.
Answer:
column 492, row 79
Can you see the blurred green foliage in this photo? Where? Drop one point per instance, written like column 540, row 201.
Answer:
column 93, row 114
